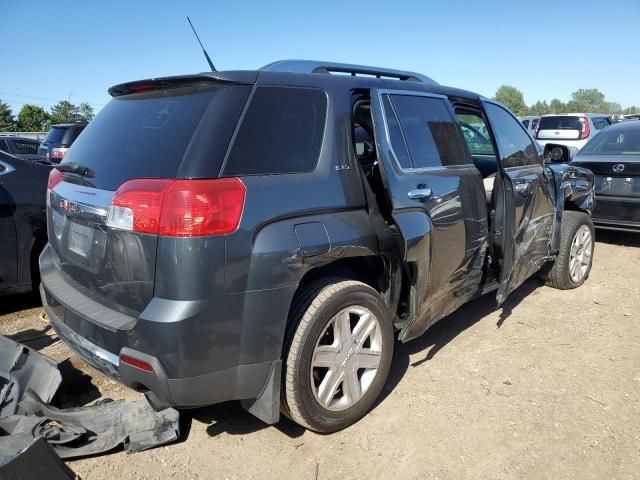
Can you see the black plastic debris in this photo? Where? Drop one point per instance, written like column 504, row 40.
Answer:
column 22, row 368
column 30, row 427
column 36, row 460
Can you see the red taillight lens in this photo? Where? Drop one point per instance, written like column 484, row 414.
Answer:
column 142, row 203
column 55, row 177
column 178, row 208
column 586, row 129
column 58, row 153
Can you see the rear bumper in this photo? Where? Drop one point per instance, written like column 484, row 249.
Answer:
column 617, row 213
column 159, row 336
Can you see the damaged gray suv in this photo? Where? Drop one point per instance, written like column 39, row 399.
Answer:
column 265, row 235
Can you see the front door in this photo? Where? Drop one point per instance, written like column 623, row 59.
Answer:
column 525, row 207
column 428, row 181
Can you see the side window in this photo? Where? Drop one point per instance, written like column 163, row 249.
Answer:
column 3, row 146
column 515, row 146
column 475, row 132
column 534, row 123
column 525, row 123
column 430, row 134
column 281, row 133
column 600, row 122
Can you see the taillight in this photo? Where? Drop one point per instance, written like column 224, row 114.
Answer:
column 58, row 153
column 55, row 177
column 586, row 129
column 178, row 208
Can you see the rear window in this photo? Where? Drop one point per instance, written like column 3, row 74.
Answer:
column 55, row 135
column 145, row 135
column 24, row 147
column 560, row 123
column 614, row 142
column 281, row 133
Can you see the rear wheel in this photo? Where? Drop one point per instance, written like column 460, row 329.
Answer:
column 339, row 356
column 573, row 263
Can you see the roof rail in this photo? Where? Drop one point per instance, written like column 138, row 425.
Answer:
column 314, row 66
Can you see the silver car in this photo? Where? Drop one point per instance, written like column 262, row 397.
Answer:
column 569, row 130
column 530, row 122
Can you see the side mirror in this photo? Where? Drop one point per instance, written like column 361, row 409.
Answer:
column 556, row 153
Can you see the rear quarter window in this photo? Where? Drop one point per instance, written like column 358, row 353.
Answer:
column 281, row 133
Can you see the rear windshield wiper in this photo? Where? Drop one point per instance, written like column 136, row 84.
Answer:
column 76, row 168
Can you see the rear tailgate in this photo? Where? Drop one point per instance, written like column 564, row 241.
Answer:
column 561, row 127
column 149, row 134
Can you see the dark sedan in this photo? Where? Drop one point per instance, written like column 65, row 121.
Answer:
column 21, row 147
column 23, row 225
column 614, row 157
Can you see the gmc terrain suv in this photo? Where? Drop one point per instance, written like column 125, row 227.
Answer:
column 263, row 235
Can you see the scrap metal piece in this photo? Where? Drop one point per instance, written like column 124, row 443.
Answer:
column 92, row 429
column 23, row 368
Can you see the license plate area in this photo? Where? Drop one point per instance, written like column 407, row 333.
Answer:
column 80, row 239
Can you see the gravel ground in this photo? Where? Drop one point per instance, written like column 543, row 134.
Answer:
column 546, row 387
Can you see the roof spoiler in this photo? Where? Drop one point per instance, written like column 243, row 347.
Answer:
column 238, row 77
column 313, row 66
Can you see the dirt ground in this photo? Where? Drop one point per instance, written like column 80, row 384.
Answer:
column 546, row 387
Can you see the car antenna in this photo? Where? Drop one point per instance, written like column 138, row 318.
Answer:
column 213, row 69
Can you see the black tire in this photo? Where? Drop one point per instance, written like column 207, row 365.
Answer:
column 557, row 275
column 311, row 314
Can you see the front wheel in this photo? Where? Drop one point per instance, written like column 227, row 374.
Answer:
column 573, row 263
column 339, row 355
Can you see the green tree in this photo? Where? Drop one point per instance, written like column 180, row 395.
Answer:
column 512, row 98
column 587, row 100
column 86, row 111
column 539, row 108
column 7, row 122
column 557, row 106
column 631, row 110
column 64, row 111
column 32, row 118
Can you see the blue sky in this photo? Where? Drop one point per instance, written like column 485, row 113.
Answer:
column 54, row 50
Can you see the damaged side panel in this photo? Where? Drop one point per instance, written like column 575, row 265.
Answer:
column 574, row 189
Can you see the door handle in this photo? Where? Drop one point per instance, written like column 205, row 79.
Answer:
column 420, row 193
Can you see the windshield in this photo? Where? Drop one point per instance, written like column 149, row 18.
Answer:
column 142, row 135
column 614, row 142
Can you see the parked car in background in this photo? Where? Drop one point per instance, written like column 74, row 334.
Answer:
column 530, row 122
column 23, row 225
column 614, row 157
column 21, row 147
column 263, row 235
column 59, row 139
column 562, row 135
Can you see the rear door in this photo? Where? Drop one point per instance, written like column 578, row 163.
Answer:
column 8, row 244
column 427, row 179
column 525, row 207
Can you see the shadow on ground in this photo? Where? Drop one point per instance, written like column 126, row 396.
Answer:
column 15, row 303
column 232, row 419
